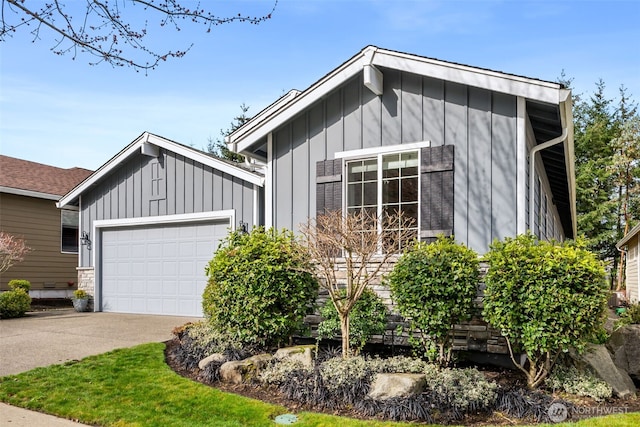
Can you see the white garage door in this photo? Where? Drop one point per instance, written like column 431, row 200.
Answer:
column 157, row 269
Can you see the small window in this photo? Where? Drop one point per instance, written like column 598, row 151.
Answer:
column 69, row 240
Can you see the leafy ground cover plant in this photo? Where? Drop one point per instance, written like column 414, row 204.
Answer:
column 434, row 286
column 545, row 297
column 368, row 317
column 580, row 383
column 631, row 316
column 259, row 287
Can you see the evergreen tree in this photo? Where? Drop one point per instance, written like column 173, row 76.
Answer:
column 219, row 147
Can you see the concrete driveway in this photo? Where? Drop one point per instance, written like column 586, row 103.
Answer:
column 51, row 337
column 56, row 336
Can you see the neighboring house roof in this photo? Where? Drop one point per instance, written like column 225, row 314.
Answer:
column 33, row 179
column 149, row 141
column 635, row 230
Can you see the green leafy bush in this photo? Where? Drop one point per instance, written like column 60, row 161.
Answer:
column 259, row 288
column 80, row 294
column 545, row 297
column 631, row 316
column 14, row 284
column 368, row 317
column 14, row 303
column 581, row 383
column 434, row 286
column 462, row 390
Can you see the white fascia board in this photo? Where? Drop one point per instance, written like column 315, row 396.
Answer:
column 533, row 89
column 252, row 132
column 29, row 193
column 635, row 230
column 135, row 147
column 167, row 219
column 528, row 88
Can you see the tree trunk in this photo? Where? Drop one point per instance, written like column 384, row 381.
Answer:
column 344, row 331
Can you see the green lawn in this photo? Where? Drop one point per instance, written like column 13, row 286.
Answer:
column 134, row 387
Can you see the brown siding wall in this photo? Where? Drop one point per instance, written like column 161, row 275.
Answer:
column 38, row 222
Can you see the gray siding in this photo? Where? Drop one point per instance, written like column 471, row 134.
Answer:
column 189, row 187
column 479, row 123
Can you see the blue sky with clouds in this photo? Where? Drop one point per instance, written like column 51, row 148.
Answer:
column 63, row 112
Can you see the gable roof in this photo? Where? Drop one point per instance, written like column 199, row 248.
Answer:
column 32, row 179
column 294, row 102
column 149, row 141
column 635, row 230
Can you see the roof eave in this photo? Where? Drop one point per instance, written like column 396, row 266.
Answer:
column 635, row 230
column 159, row 141
column 257, row 128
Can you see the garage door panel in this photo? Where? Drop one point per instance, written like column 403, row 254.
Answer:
column 157, row 269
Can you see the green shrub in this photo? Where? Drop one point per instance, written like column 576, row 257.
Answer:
column 14, row 303
column 368, row 317
column 581, row 383
column 20, row 284
column 434, row 286
column 462, row 389
column 545, row 297
column 631, row 316
column 259, row 289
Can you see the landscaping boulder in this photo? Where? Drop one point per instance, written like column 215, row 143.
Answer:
column 388, row 386
column 299, row 353
column 215, row 357
column 597, row 359
column 239, row 371
column 624, row 345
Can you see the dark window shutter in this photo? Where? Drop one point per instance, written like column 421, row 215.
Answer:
column 436, row 200
column 328, row 186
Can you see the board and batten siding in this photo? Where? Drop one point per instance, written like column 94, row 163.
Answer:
column 38, row 222
column 480, row 124
column 185, row 187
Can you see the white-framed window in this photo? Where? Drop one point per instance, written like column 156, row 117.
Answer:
column 385, row 185
column 69, row 231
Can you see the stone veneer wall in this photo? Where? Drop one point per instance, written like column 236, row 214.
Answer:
column 86, row 282
column 474, row 335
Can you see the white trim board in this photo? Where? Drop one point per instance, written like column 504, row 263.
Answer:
column 149, row 138
column 98, row 225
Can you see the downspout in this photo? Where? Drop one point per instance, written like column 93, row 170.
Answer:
column 532, row 167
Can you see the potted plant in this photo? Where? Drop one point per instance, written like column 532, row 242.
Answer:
column 80, row 300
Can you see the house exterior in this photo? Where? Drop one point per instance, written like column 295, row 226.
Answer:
column 465, row 151
column 28, row 195
column 631, row 242
column 153, row 216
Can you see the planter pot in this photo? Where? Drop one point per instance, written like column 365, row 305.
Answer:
column 80, row 304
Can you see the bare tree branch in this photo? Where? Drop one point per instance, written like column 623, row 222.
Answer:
column 104, row 31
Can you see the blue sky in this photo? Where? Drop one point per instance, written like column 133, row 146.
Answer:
column 64, row 112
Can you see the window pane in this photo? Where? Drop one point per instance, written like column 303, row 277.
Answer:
column 370, row 190
column 390, row 191
column 410, row 189
column 411, row 211
column 409, row 164
column 69, row 231
column 370, row 170
column 390, row 166
column 354, row 195
column 354, row 172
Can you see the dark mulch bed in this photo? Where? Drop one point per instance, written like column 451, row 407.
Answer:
column 506, row 378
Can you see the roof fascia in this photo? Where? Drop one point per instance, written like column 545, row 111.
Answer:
column 635, row 230
column 147, row 137
column 29, row 193
column 281, row 112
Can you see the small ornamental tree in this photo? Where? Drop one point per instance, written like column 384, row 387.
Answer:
column 12, row 250
column 360, row 241
column 368, row 318
column 434, row 286
column 259, row 289
column 545, row 297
